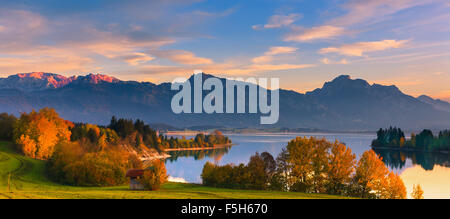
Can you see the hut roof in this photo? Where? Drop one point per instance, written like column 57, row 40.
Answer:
column 134, row 173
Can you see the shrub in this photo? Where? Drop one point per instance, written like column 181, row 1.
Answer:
column 154, row 176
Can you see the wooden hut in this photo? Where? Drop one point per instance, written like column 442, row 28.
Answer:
column 135, row 175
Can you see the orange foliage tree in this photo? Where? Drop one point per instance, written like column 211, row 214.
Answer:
column 417, row 192
column 373, row 179
column 37, row 133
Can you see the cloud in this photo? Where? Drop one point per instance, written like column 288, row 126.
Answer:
column 281, row 50
column 372, row 11
column 136, row 58
column 327, row 61
column 278, row 21
column 315, row 33
column 279, row 67
column 273, row 51
column 182, row 57
column 358, row 49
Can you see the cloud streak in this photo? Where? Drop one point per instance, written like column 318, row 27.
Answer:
column 278, row 21
column 274, row 51
column 315, row 33
column 359, row 49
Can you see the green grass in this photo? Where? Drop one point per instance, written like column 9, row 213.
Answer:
column 28, row 181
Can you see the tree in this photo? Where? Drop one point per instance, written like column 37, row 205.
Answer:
column 7, row 123
column 394, row 188
column 37, row 133
column 154, row 176
column 370, row 173
column 270, row 164
column 342, row 166
column 283, row 179
column 308, row 158
column 417, row 192
column 257, row 170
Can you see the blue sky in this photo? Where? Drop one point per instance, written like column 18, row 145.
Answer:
column 304, row 43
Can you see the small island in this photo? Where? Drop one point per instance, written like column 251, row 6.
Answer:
column 394, row 139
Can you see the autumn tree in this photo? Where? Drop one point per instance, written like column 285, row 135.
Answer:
column 37, row 133
column 394, row 188
column 341, row 168
column 308, row 159
column 417, row 192
column 370, row 174
column 154, row 176
column 374, row 180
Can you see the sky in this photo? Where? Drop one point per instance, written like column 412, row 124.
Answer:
column 303, row 42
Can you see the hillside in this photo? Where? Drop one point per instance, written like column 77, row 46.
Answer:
column 343, row 104
column 28, row 181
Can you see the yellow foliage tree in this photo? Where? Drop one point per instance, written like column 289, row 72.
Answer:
column 308, row 158
column 342, row 166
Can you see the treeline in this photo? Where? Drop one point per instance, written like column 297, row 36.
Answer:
column 199, row 141
column 313, row 166
column 425, row 140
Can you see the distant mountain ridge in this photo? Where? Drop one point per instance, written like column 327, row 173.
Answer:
column 40, row 81
column 341, row 104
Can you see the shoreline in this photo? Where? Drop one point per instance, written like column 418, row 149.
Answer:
column 199, row 148
column 409, row 150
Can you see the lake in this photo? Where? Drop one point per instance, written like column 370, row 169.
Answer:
column 431, row 171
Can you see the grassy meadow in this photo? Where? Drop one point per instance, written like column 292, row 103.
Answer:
column 28, row 181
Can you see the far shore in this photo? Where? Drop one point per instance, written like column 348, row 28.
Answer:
column 193, row 133
column 199, row 148
column 411, row 150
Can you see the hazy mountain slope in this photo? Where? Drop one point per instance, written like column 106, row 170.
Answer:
column 436, row 103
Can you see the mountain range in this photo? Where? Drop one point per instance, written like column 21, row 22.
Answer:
column 341, row 104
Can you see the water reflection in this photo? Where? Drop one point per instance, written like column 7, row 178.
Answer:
column 216, row 153
column 397, row 159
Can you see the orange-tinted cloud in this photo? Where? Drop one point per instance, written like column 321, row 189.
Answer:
column 273, row 51
column 315, row 33
column 327, row 61
column 358, row 49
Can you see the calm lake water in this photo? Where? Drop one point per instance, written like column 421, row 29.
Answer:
column 431, row 171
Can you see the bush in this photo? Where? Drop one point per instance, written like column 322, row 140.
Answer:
column 154, row 176
column 71, row 165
